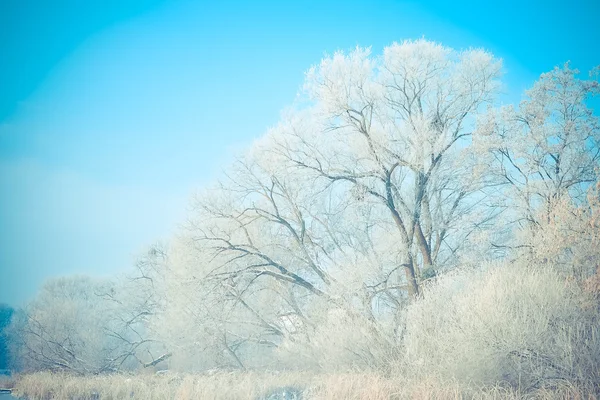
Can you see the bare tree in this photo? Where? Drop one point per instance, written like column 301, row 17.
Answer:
column 82, row 325
column 342, row 209
column 396, row 129
column 547, row 148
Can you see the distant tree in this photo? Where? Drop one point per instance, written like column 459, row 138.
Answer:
column 82, row 325
column 6, row 313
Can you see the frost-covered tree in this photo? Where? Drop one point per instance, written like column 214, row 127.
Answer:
column 396, row 130
column 81, row 325
column 338, row 213
column 545, row 156
column 63, row 328
column 548, row 148
column 282, row 248
column 191, row 320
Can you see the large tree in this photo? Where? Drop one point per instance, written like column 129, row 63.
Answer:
column 362, row 191
column 396, row 130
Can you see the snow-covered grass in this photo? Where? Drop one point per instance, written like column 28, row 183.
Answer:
column 217, row 385
column 260, row 385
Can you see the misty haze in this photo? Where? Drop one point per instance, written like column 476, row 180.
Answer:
column 299, row 200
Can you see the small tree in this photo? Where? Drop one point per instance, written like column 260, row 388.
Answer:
column 548, row 148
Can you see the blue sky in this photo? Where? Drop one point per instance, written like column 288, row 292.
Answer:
column 112, row 112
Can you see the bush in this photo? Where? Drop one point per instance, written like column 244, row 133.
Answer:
column 341, row 341
column 526, row 327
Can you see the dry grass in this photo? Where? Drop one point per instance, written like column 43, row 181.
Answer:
column 259, row 385
column 218, row 385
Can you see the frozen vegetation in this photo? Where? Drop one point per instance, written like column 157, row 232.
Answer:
column 397, row 234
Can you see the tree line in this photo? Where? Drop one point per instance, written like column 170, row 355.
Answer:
column 393, row 199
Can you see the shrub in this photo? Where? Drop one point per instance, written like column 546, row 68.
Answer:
column 526, row 327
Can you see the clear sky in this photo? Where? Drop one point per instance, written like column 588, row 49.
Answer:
column 112, row 112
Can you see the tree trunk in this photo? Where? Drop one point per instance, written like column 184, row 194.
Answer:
column 423, row 246
column 413, row 285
